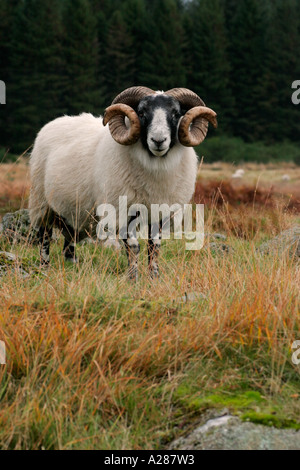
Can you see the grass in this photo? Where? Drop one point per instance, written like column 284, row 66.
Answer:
column 234, row 149
column 14, row 186
column 7, row 156
column 96, row 362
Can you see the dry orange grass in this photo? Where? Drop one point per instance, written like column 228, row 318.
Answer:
column 94, row 361
column 14, row 186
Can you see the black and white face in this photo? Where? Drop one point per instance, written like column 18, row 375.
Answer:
column 159, row 117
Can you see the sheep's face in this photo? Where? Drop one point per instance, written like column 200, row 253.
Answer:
column 159, row 117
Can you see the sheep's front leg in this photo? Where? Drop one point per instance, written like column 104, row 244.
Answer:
column 132, row 249
column 154, row 244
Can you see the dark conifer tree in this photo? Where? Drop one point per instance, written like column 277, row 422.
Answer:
column 209, row 70
column 6, row 16
column 162, row 58
column 81, row 53
column 72, row 56
column 119, row 56
column 248, row 61
column 280, row 117
column 134, row 14
column 35, row 72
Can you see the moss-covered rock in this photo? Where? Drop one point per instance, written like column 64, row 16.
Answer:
column 16, row 227
column 9, row 262
column 227, row 432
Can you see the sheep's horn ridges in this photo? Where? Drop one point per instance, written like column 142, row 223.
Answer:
column 131, row 96
column 115, row 115
column 187, row 98
column 122, row 106
column 194, row 124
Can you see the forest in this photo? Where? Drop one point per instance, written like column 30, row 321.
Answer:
column 72, row 56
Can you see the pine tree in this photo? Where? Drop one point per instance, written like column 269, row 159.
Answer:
column 281, row 117
column 72, row 56
column 36, row 66
column 81, row 52
column 6, row 19
column 162, row 56
column 248, row 64
column 119, row 56
column 209, row 70
column 135, row 18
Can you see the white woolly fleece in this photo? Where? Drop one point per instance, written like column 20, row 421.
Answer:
column 76, row 165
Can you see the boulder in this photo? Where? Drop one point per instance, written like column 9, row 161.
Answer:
column 286, row 243
column 227, row 432
column 16, row 227
column 9, row 262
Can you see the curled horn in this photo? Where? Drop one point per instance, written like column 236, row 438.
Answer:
column 194, row 124
column 121, row 107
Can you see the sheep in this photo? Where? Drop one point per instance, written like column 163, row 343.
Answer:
column 146, row 154
column 238, row 174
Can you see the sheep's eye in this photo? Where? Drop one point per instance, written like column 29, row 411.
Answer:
column 141, row 114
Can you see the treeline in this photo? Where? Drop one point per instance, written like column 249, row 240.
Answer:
column 71, row 56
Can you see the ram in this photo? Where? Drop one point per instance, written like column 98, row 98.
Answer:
column 144, row 154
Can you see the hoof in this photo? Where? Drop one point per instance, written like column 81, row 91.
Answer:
column 133, row 275
column 44, row 263
column 154, row 273
column 71, row 260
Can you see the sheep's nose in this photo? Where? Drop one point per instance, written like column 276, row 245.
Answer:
column 158, row 143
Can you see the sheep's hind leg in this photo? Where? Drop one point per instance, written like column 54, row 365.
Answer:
column 45, row 235
column 71, row 237
column 69, row 251
column 70, row 244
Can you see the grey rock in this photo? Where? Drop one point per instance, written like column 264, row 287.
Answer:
column 216, row 236
column 9, row 262
column 7, row 257
column 228, row 432
column 16, row 227
column 191, row 297
column 286, row 243
column 220, row 248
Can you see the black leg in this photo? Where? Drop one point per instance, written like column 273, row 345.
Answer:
column 70, row 239
column 132, row 247
column 45, row 235
column 69, row 251
column 70, row 243
column 154, row 244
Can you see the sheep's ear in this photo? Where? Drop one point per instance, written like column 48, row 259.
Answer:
column 194, row 125
column 115, row 116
